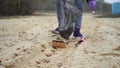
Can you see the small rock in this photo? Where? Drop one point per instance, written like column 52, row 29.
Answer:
column 18, row 48
column 20, row 35
column 12, row 44
column 16, row 54
column 32, row 34
column 0, row 60
column 42, row 50
column 59, row 65
column 93, row 52
column 48, row 54
column 52, row 50
column 38, row 66
column 46, row 61
column 24, row 50
column 8, row 45
column 3, row 29
column 38, row 62
column 0, row 49
column 28, row 52
column 23, row 32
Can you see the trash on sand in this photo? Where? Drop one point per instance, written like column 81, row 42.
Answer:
column 43, row 46
column 58, row 44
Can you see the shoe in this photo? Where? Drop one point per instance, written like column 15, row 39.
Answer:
column 56, row 31
column 77, row 33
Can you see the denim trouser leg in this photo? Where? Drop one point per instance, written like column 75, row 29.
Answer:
column 78, row 4
column 78, row 22
column 59, row 15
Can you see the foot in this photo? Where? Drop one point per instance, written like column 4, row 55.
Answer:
column 56, row 31
column 77, row 34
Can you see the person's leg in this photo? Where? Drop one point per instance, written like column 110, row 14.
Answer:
column 58, row 6
column 78, row 4
column 59, row 15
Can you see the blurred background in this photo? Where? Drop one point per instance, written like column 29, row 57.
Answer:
column 27, row 7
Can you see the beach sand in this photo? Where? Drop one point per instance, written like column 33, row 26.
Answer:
column 25, row 42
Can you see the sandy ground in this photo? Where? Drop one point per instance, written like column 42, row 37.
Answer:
column 25, row 42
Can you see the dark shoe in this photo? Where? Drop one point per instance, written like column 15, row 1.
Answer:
column 56, row 31
column 77, row 33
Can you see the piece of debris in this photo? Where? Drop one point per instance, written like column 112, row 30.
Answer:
column 78, row 43
column 43, row 46
column 58, row 44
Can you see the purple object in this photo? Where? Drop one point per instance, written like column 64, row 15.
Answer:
column 92, row 4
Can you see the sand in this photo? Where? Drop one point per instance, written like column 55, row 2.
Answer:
column 25, row 42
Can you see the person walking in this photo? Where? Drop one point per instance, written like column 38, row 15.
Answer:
column 76, row 33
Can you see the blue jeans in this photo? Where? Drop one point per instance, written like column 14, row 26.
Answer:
column 78, row 4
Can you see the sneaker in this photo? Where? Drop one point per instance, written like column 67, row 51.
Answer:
column 77, row 33
column 56, row 31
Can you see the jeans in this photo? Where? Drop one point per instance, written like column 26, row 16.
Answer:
column 78, row 4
